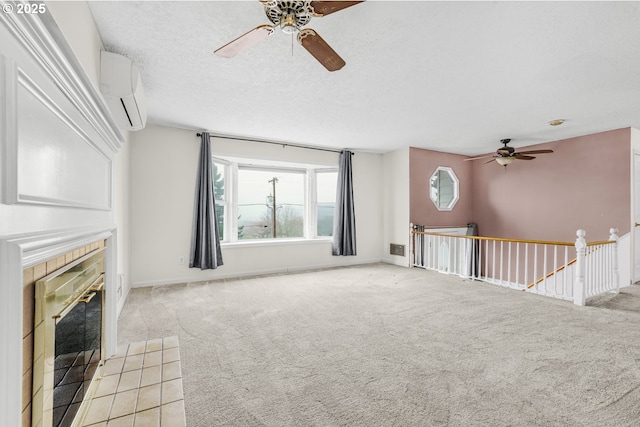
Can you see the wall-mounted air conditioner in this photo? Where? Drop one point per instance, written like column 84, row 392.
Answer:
column 121, row 86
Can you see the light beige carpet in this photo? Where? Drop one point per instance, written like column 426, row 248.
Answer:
column 381, row 345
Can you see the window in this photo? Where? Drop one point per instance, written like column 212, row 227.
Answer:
column 270, row 203
column 325, row 201
column 444, row 188
column 257, row 201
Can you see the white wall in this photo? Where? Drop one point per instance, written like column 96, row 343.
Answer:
column 163, row 178
column 122, row 219
column 75, row 21
column 395, row 171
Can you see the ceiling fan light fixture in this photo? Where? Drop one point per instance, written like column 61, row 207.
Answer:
column 505, row 161
column 288, row 23
column 556, row 122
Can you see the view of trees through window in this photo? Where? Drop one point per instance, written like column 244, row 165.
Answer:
column 218, row 189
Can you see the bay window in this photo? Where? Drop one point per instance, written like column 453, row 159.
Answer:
column 256, row 201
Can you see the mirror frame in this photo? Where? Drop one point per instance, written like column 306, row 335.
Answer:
column 456, row 188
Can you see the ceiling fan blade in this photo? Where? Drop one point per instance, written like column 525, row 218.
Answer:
column 319, row 48
column 478, row 158
column 536, row 152
column 245, row 41
column 492, row 160
column 323, row 8
column 520, row 156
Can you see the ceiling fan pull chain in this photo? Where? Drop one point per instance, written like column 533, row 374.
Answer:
column 292, row 45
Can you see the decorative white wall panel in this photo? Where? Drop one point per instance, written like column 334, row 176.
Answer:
column 58, row 164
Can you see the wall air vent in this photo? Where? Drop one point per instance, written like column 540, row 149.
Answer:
column 395, row 249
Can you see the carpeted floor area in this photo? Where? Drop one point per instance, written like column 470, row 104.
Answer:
column 382, row 345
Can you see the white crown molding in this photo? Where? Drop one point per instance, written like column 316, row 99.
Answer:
column 40, row 35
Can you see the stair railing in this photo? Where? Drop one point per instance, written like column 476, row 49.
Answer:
column 542, row 267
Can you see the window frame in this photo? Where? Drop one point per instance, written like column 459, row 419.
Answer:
column 435, row 198
column 314, row 205
column 226, row 205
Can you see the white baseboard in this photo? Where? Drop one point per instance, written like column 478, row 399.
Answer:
column 397, row 260
column 236, row 275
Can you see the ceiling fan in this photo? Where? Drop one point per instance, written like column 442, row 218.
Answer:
column 506, row 155
column 290, row 16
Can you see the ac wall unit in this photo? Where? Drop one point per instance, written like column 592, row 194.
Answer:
column 121, row 86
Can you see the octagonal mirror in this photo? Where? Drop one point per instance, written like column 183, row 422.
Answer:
column 444, row 188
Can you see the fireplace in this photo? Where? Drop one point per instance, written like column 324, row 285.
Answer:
column 68, row 340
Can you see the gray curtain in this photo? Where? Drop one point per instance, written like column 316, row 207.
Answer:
column 344, row 221
column 205, row 241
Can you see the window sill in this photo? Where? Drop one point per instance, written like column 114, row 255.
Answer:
column 276, row 242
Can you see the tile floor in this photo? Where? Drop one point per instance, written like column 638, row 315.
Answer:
column 141, row 386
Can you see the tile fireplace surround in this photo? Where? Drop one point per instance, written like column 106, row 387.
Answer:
column 141, row 385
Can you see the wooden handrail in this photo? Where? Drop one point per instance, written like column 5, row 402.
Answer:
column 601, row 242
column 439, row 227
column 497, row 239
column 502, row 239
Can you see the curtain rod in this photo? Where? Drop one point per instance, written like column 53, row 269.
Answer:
column 274, row 143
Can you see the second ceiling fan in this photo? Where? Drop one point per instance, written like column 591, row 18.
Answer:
column 290, row 16
column 506, row 155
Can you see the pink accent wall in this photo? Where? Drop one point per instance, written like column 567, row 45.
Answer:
column 422, row 164
column 585, row 184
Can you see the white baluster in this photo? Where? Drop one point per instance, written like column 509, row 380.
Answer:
column 616, row 273
column 526, row 264
column 544, row 269
column 564, row 272
column 579, row 291
column 518, row 266
column 535, row 267
column 555, row 270
column 509, row 264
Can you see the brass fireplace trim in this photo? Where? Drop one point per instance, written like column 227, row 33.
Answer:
column 56, row 295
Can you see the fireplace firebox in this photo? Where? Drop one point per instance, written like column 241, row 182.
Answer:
column 68, row 340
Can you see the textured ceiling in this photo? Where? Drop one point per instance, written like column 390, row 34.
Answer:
column 449, row 76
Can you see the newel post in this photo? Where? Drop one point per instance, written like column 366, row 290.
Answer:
column 616, row 274
column 412, row 245
column 579, row 289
